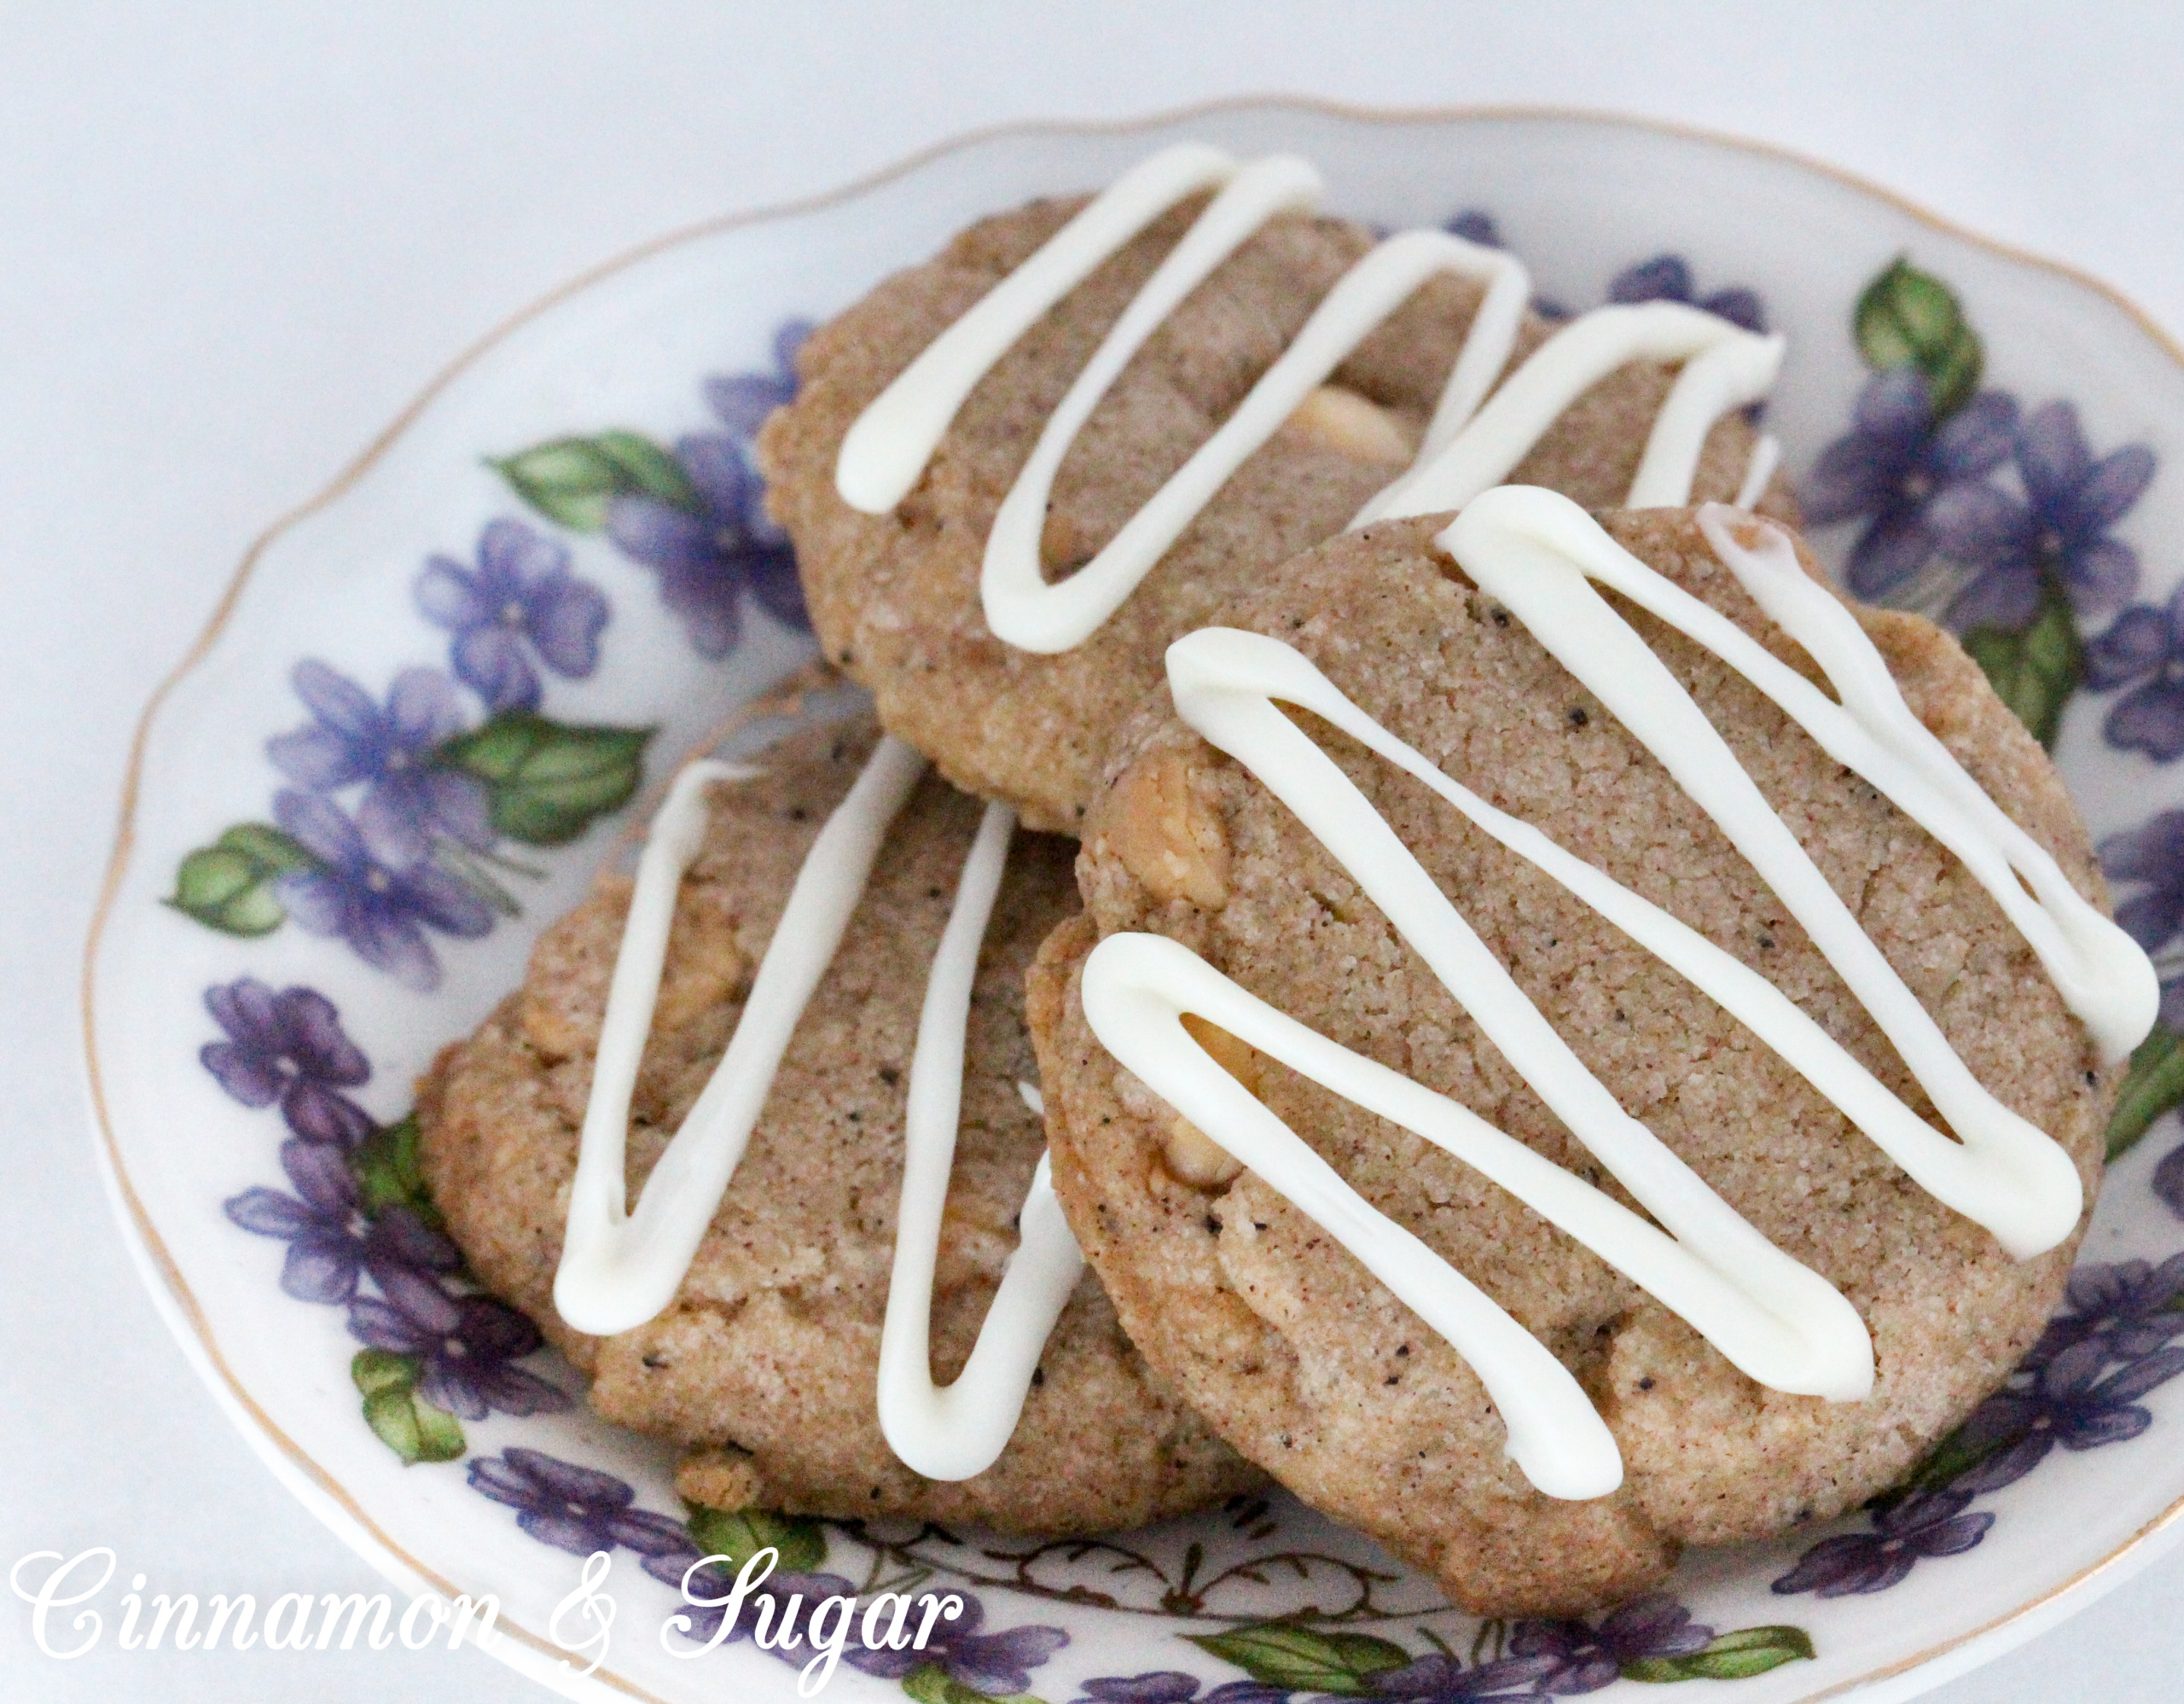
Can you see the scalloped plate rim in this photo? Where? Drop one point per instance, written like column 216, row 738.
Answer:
column 319, row 1491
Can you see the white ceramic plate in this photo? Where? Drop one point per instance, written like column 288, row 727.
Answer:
column 586, row 578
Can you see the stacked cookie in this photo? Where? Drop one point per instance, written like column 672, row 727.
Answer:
column 1550, row 1075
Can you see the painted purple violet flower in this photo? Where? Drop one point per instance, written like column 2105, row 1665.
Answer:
column 521, row 599
column 1169, row 1686
column 331, row 1243
column 999, row 1664
column 2068, row 1402
column 467, row 1344
column 1473, row 225
column 707, row 559
column 573, row 1508
column 1440, row 1678
column 288, row 1047
column 367, row 892
column 2058, row 536
column 411, row 802
column 2130, row 1308
column 1931, row 1523
column 2168, row 1180
column 1895, row 464
column 1667, row 278
column 1588, row 1658
column 743, row 400
column 2144, row 651
column 2153, row 854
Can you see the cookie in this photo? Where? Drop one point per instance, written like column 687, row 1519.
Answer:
column 1280, row 1335
column 765, row 1362
column 895, row 596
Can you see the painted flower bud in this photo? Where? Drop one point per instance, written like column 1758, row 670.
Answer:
column 229, row 886
column 570, row 480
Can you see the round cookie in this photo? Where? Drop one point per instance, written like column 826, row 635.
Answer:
column 766, row 1360
column 895, row 598
column 1282, row 1339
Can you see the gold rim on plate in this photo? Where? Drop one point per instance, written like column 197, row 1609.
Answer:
column 202, row 1343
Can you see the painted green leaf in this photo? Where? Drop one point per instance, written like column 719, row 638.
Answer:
column 389, row 1173
column 228, row 885
column 375, row 1370
column 1955, row 1454
column 930, row 1683
column 743, row 1535
column 2154, row 1083
column 439, row 1433
column 648, row 468
column 411, row 1426
column 1734, row 1656
column 2034, row 671
column 1910, row 318
column 1305, row 1658
column 269, row 847
column 547, row 780
column 415, row 1430
column 572, row 480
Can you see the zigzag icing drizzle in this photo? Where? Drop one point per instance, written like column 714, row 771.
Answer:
column 955, row 1433
column 1534, row 552
column 1774, row 1318
column 1468, row 448
column 618, row 1268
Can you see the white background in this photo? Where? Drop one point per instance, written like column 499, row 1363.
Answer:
column 235, row 241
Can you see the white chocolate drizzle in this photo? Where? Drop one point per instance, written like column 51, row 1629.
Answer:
column 1766, row 457
column 619, row 1269
column 1772, row 1317
column 1780, row 1318
column 1029, row 613
column 890, row 442
column 1724, row 368
column 1535, row 552
column 2104, row 976
column 1472, row 443
column 953, row 1433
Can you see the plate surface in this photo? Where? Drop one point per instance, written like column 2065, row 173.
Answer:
column 495, row 638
